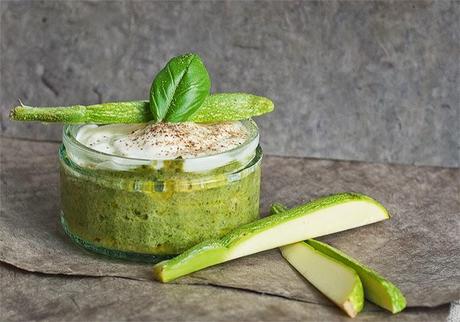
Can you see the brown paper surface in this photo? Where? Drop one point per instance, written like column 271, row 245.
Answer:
column 417, row 248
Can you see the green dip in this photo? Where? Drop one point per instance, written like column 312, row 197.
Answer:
column 153, row 211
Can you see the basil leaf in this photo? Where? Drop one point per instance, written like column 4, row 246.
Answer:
column 179, row 89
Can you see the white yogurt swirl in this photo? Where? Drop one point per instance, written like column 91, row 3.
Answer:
column 202, row 146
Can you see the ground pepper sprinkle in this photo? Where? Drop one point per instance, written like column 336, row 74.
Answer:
column 181, row 140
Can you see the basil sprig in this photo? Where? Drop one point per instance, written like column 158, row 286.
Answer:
column 179, row 89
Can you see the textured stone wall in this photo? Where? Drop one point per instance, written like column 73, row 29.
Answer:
column 376, row 81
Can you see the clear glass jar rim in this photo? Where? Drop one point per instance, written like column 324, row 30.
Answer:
column 175, row 182
column 70, row 141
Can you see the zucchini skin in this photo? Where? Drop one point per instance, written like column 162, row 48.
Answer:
column 216, row 108
column 106, row 113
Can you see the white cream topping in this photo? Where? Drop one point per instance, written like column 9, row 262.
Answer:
column 200, row 145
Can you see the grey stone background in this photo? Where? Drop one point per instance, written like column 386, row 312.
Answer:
column 360, row 80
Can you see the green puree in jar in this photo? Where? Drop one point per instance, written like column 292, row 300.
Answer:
column 130, row 190
column 153, row 211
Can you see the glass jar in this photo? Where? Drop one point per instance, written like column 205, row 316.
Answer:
column 149, row 210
